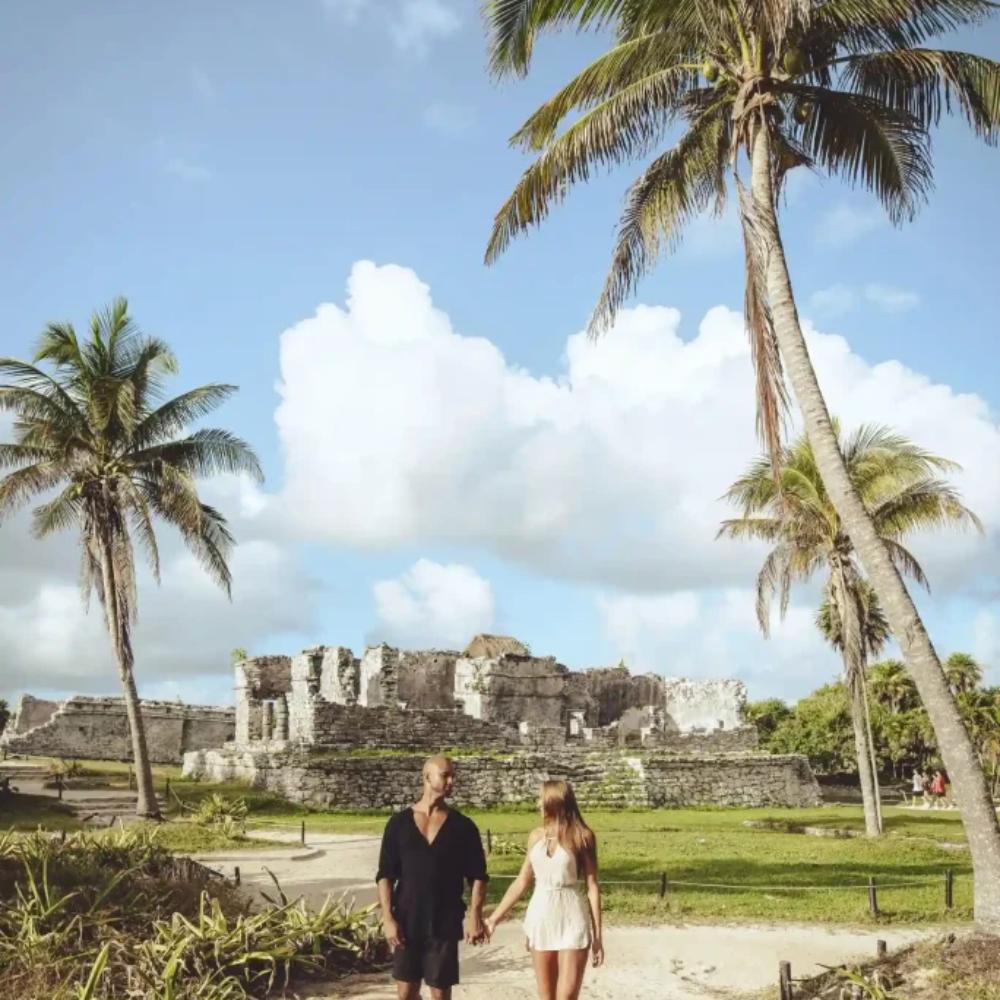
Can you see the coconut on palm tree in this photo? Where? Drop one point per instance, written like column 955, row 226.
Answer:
column 95, row 435
column 848, row 87
column 873, row 633
column 790, row 509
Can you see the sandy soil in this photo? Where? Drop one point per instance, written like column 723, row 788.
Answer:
column 643, row 963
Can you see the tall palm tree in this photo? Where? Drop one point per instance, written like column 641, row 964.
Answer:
column 97, row 430
column 963, row 672
column 791, row 510
column 874, row 633
column 843, row 86
column 892, row 686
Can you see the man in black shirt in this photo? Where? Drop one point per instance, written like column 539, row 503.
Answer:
column 429, row 851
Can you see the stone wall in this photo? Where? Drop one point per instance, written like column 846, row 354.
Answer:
column 612, row 779
column 512, row 689
column 30, row 712
column 604, row 694
column 346, row 727
column 379, row 679
column 426, row 678
column 97, row 729
column 704, row 705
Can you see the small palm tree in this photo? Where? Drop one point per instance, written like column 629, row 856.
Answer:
column 892, row 686
column 874, row 632
column 847, row 87
column 96, row 429
column 789, row 508
column 963, row 672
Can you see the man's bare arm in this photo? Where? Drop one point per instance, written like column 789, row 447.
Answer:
column 390, row 926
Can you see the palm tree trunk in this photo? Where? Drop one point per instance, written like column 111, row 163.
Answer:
column 866, row 702
column 146, row 806
column 869, row 792
column 957, row 751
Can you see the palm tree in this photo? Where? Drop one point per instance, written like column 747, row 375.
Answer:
column 963, row 672
column 96, row 429
column 791, row 510
column 874, row 633
column 843, row 86
column 892, row 686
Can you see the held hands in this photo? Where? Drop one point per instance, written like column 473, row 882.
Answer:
column 477, row 931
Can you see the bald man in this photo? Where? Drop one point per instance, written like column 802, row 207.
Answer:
column 429, row 852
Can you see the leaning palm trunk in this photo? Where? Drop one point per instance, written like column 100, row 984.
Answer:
column 866, row 772
column 146, row 805
column 866, row 701
column 957, row 750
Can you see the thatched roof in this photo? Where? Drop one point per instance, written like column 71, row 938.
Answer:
column 493, row 646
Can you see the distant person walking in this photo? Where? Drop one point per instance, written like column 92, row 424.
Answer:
column 939, row 789
column 560, row 926
column 919, row 781
column 429, row 852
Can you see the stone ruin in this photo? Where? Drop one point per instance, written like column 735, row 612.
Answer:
column 331, row 729
column 98, row 729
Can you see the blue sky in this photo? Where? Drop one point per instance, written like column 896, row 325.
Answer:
column 227, row 165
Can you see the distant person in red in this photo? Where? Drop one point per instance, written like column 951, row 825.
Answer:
column 938, row 788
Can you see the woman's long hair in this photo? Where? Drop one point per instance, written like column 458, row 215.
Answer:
column 559, row 810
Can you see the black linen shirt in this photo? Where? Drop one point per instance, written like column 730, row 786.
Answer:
column 428, row 879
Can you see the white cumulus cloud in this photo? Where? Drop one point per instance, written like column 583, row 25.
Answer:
column 833, row 302
column 433, row 605
column 397, row 429
column 892, row 299
column 686, row 634
column 420, row 23
column 845, row 224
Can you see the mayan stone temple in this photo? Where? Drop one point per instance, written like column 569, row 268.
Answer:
column 332, row 730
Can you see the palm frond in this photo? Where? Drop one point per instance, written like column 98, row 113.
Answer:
column 626, row 126
column 676, row 187
column 763, row 529
column 513, row 26
column 12, row 455
column 924, row 505
column 61, row 512
column 205, row 453
column 921, row 84
column 862, row 25
column 861, row 140
column 906, row 562
column 18, row 488
column 623, row 66
column 174, row 416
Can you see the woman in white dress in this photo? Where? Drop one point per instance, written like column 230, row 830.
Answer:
column 561, row 926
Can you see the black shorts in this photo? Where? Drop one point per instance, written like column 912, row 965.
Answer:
column 432, row 962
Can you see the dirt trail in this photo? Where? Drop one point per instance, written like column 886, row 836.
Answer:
column 643, row 963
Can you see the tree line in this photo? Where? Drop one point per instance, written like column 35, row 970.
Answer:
column 820, row 726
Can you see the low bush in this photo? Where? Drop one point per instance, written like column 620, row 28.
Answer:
column 116, row 916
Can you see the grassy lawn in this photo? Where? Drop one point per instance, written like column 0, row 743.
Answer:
column 26, row 813
column 762, row 867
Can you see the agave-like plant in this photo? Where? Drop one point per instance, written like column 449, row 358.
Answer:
column 759, row 88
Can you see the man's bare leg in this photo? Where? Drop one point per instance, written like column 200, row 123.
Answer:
column 407, row 991
column 444, row 994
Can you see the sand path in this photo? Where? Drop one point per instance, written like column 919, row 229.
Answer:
column 643, row 963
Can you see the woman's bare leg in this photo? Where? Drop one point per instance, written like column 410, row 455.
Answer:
column 546, row 965
column 572, row 966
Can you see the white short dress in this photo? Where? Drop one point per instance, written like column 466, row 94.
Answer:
column 558, row 917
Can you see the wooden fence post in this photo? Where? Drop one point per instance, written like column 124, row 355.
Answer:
column 166, row 792
column 949, row 889
column 302, row 836
column 236, row 875
column 872, row 897
column 881, row 949
column 489, row 842
column 663, row 885
column 785, row 981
